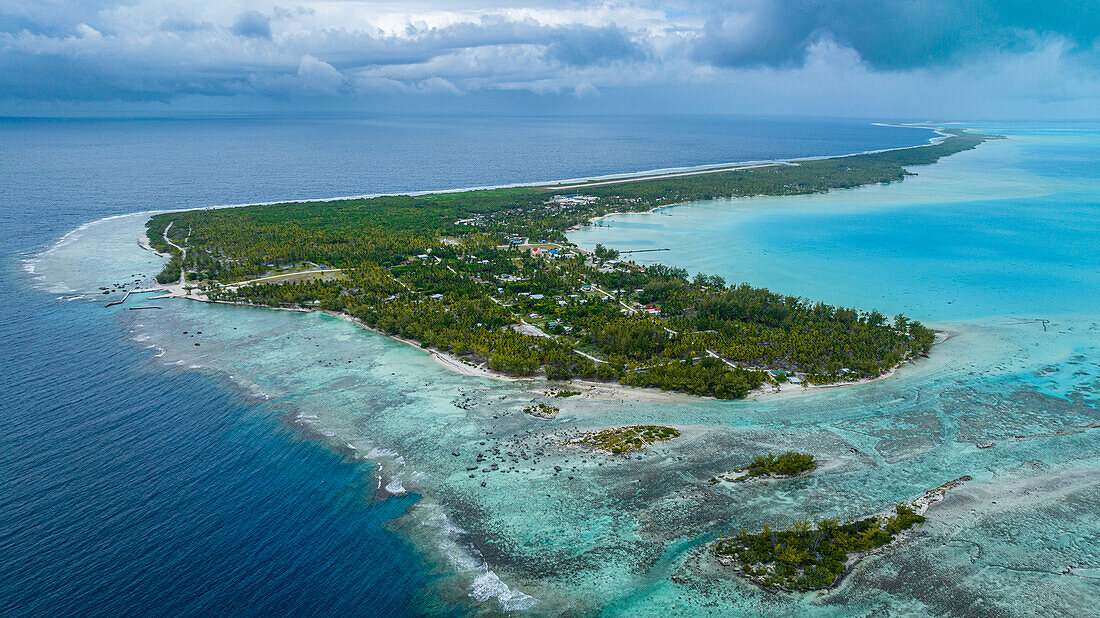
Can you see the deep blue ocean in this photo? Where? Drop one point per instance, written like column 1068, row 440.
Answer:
column 127, row 487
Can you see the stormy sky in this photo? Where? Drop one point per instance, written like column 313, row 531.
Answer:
column 965, row 59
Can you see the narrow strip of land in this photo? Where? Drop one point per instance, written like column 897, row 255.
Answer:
column 619, row 181
column 490, row 277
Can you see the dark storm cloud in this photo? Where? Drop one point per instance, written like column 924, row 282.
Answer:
column 252, row 24
column 890, row 34
column 576, row 45
column 587, row 46
column 95, row 50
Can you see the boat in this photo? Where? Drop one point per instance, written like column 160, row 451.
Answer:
column 984, row 445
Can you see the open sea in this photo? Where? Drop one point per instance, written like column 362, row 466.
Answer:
column 202, row 459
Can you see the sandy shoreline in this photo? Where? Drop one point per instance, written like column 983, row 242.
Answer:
column 788, row 388
column 590, row 389
column 629, row 179
column 144, row 243
column 444, row 359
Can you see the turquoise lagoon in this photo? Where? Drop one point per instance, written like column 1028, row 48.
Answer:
column 999, row 247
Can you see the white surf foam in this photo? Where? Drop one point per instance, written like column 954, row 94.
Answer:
column 465, row 557
column 395, row 487
column 488, row 585
column 385, row 453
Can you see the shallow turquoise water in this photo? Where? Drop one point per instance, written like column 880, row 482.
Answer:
column 1007, row 229
column 982, row 245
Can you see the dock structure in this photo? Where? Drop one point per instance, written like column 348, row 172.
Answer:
column 642, row 251
column 119, row 302
column 133, row 291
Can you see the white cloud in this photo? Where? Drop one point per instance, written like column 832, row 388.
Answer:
column 320, row 76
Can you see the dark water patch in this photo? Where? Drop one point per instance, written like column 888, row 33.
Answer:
column 127, row 487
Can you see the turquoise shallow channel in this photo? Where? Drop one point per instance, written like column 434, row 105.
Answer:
column 998, row 247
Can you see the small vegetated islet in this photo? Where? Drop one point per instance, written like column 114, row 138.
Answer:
column 790, row 463
column 620, row 440
column 805, row 556
column 542, row 410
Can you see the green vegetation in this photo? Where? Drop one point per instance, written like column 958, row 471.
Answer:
column 810, row 557
column 619, row 440
column 542, row 410
column 786, row 464
column 604, row 253
column 566, row 393
column 488, row 277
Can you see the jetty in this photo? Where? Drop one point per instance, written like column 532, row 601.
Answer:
column 642, row 251
column 133, row 291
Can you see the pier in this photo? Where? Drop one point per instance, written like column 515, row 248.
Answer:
column 133, row 291
column 642, row 251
